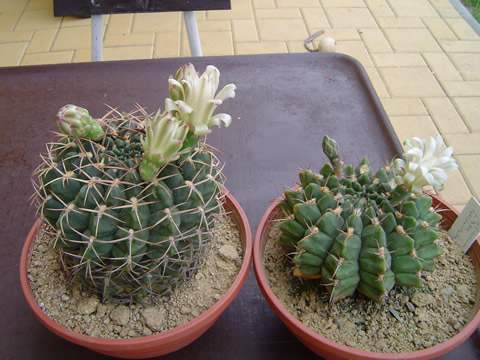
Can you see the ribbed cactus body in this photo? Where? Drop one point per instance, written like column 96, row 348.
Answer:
column 119, row 235
column 350, row 228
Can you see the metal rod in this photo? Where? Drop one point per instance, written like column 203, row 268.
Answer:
column 97, row 37
column 192, row 31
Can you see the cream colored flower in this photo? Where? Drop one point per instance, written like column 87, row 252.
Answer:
column 424, row 164
column 193, row 100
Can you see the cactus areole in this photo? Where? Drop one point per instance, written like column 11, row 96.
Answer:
column 354, row 229
column 132, row 197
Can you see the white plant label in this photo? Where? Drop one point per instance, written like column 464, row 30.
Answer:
column 467, row 226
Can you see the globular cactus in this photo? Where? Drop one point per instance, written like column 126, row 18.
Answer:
column 131, row 198
column 358, row 230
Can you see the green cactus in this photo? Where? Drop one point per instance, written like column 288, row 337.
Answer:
column 356, row 230
column 132, row 208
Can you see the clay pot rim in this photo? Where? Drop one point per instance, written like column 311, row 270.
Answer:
column 210, row 314
column 302, row 331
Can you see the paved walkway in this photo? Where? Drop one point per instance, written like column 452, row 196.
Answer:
column 421, row 55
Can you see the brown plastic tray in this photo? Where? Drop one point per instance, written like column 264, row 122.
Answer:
column 284, row 106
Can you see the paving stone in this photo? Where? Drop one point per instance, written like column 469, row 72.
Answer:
column 342, row 3
column 297, row 3
column 297, row 47
column 462, row 29
column 450, row 12
column 439, row 29
column 420, row 8
column 52, row 57
column 167, row 45
column 73, row 38
column 37, row 19
column 469, row 108
column 377, row 82
column 400, row 22
column 42, row 41
column 398, row 60
column 355, row 49
column 264, row 47
column 17, row 36
column 341, row 34
column 468, row 64
column 213, row 43
column 315, row 18
column 461, row 88
column 411, row 82
column 464, row 143
column 244, row 30
column 213, row 25
column 456, row 190
column 441, row 3
column 120, row 24
column 38, row 4
column 463, row 46
column 263, row 4
column 283, row 13
column 404, row 106
column 375, row 41
column 72, row 21
column 441, row 66
column 127, row 52
column 130, row 39
column 82, row 55
column 241, row 9
column 156, row 22
column 407, row 127
column 412, row 40
column 8, row 20
column 445, row 115
column 379, row 8
column 282, row 29
column 350, row 17
column 469, row 167
column 12, row 53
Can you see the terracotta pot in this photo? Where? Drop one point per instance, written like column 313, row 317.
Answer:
column 329, row 349
column 153, row 345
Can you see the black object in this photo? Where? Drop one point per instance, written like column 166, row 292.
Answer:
column 284, row 105
column 86, row 8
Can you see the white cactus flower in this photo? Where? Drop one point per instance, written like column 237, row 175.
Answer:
column 193, row 99
column 424, row 164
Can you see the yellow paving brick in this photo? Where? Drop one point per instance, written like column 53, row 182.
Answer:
column 167, row 45
column 461, row 88
column 399, row 22
column 350, row 17
column 297, row 3
column 442, row 66
column 412, row 40
column 464, row 46
column 82, row 55
column 341, row 34
column 456, row 190
column 73, row 38
column 375, row 41
column 439, row 29
column 377, row 82
column 214, row 25
column 214, row 43
column 411, row 82
column 469, row 166
column 8, row 19
column 357, row 50
column 448, row 13
column 315, row 18
column 469, row 108
column 156, row 22
column 37, row 19
column 296, row 47
column 244, row 31
column 15, row 36
column 441, row 3
column 241, row 9
column 11, row 5
column 462, row 29
column 42, row 41
column 265, row 47
column 283, row 13
column 468, row 65
column 72, row 21
column 407, row 127
column 120, row 24
column 398, row 60
column 464, row 143
column 263, row 4
column 282, row 29
column 403, row 106
column 445, row 115
column 54, row 57
column 342, row 3
column 201, row 15
column 129, row 39
column 39, row 4
column 415, row 8
column 127, row 53
column 380, row 8
column 11, row 53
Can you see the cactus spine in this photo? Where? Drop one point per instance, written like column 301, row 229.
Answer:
column 358, row 230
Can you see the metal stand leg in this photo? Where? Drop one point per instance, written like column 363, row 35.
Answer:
column 97, row 37
column 192, row 31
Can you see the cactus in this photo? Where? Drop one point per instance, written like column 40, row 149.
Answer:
column 131, row 197
column 354, row 229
